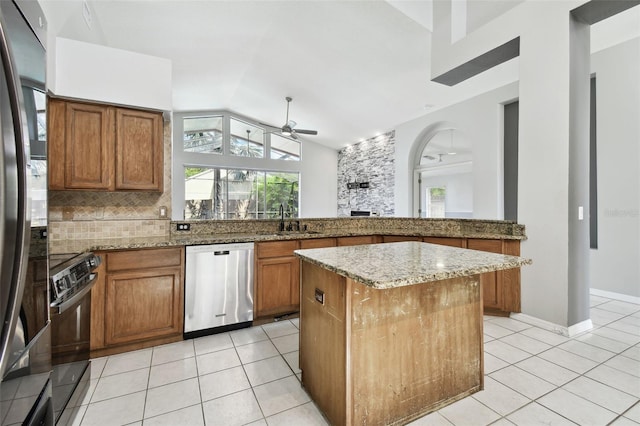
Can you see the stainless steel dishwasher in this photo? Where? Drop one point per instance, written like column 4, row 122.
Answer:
column 218, row 288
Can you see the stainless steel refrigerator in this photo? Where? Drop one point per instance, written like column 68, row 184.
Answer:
column 25, row 352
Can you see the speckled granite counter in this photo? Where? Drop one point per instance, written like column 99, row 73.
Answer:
column 65, row 238
column 391, row 265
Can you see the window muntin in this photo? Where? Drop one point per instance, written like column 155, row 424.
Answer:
column 221, row 193
column 284, row 148
column 203, row 134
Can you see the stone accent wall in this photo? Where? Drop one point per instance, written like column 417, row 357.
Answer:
column 368, row 161
column 95, row 214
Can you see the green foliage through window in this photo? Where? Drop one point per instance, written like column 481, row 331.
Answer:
column 217, row 193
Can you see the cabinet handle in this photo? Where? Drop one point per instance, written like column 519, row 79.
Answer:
column 221, row 253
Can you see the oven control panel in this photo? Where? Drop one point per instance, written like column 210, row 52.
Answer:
column 72, row 274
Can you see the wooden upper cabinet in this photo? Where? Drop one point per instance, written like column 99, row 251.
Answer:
column 104, row 148
column 139, row 146
column 81, row 142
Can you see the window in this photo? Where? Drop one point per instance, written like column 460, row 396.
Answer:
column 203, row 134
column 246, row 139
column 435, row 201
column 252, row 172
column 284, row 148
column 218, row 193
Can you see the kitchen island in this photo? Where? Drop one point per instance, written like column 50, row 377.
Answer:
column 390, row 332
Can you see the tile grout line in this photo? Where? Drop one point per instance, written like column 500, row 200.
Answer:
column 253, row 392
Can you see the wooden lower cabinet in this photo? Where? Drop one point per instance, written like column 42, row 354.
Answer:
column 138, row 300
column 358, row 240
column 317, row 243
column 277, row 286
column 277, row 278
column 445, row 241
column 500, row 289
column 277, row 275
column 399, row 238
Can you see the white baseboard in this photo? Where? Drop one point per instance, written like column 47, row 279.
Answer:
column 570, row 331
column 615, row 296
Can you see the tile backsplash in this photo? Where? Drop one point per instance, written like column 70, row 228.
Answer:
column 369, row 161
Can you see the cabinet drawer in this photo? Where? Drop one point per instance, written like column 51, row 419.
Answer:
column 446, row 241
column 399, row 238
column 276, row 249
column 355, row 241
column 493, row 246
column 318, row 243
column 143, row 259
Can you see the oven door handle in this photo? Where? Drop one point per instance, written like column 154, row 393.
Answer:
column 63, row 305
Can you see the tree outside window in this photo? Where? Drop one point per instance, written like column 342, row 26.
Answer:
column 219, row 193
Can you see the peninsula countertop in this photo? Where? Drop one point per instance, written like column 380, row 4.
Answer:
column 390, row 265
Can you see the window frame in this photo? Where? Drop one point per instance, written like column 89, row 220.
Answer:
column 182, row 159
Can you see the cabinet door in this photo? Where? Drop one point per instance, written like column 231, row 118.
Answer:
column 142, row 305
column 277, row 285
column 88, row 147
column 491, row 281
column 139, row 150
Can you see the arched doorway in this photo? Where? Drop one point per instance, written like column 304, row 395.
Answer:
column 442, row 169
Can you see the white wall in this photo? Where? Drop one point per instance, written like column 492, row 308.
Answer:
column 544, row 133
column 615, row 265
column 319, row 181
column 91, row 71
column 480, row 120
column 459, row 192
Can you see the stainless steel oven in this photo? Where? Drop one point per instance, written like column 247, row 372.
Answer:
column 71, row 278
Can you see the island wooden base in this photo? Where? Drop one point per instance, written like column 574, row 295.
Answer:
column 387, row 357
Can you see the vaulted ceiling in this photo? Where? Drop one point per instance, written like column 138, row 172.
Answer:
column 353, row 68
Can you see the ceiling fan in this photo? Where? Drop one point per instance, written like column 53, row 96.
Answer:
column 433, row 158
column 288, row 129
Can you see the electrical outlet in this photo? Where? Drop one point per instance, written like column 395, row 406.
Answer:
column 364, row 185
column 162, row 212
column 352, row 185
column 183, row 227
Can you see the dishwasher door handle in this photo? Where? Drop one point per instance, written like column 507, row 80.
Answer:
column 221, row 253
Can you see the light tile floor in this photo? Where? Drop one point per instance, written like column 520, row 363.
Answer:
column 251, row 377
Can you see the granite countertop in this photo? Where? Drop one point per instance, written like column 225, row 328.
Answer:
column 66, row 239
column 390, row 265
column 77, row 246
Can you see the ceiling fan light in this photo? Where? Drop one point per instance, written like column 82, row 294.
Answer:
column 286, row 132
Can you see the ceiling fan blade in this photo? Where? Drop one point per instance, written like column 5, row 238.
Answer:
column 293, row 134
column 307, row 132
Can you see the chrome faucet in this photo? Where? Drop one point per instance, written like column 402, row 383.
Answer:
column 281, row 227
